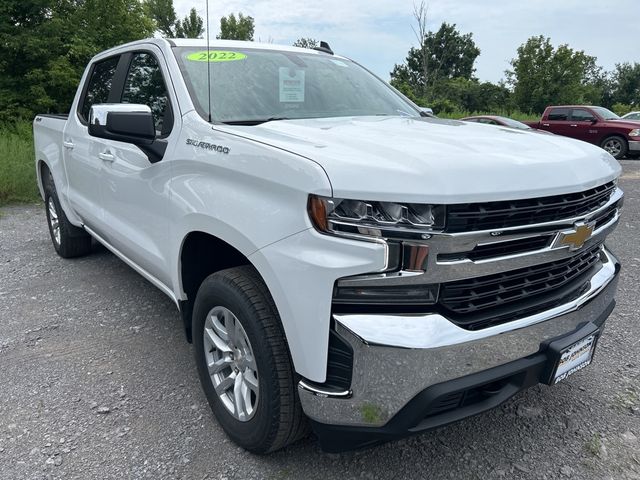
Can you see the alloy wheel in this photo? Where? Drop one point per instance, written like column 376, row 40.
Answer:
column 231, row 363
column 613, row 146
column 54, row 221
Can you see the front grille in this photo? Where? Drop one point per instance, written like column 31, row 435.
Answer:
column 484, row 301
column 469, row 217
column 499, row 249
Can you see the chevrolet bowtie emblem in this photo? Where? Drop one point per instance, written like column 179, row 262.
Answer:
column 574, row 239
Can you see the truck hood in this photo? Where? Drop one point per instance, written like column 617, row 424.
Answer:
column 435, row 160
column 624, row 123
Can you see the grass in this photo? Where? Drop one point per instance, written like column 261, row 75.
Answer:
column 17, row 166
column 371, row 413
column 627, row 399
column 594, row 445
column 516, row 115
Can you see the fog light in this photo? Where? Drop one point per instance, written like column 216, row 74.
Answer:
column 386, row 295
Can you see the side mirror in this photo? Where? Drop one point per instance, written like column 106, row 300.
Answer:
column 426, row 112
column 123, row 122
column 594, row 121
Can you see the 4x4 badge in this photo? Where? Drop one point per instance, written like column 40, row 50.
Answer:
column 575, row 238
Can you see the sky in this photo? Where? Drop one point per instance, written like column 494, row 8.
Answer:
column 378, row 33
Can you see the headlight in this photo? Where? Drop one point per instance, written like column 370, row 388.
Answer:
column 635, row 133
column 379, row 219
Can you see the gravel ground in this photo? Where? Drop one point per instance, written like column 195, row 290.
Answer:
column 97, row 381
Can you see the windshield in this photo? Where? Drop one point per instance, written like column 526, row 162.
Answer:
column 249, row 86
column 509, row 122
column 605, row 114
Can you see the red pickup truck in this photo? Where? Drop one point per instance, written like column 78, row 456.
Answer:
column 595, row 125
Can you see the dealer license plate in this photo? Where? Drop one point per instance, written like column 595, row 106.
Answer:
column 575, row 357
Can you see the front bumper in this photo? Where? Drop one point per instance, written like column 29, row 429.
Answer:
column 398, row 358
column 634, row 146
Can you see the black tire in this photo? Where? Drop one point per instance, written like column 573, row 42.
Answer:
column 616, row 146
column 72, row 241
column 278, row 419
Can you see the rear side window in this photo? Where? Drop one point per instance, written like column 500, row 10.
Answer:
column 559, row 114
column 582, row 115
column 99, row 85
column 144, row 85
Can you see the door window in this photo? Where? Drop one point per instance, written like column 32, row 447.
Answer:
column 558, row 114
column 144, row 85
column 581, row 115
column 98, row 85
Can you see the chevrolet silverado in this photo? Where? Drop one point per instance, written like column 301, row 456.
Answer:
column 339, row 260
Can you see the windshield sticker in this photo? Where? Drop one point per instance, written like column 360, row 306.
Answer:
column 291, row 85
column 215, row 56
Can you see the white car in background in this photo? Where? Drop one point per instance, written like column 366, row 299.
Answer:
column 631, row 116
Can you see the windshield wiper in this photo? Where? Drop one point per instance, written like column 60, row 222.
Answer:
column 257, row 121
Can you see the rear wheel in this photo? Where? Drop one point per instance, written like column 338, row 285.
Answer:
column 616, row 146
column 68, row 240
column 244, row 363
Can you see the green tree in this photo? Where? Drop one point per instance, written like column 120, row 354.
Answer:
column 191, row 26
column 166, row 22
column 45, row 46
column 542, row 75
column 441, row 55
column 307, row 42
column 625, row 84
column 473, row 96
column 232, row 28
column 164, row 16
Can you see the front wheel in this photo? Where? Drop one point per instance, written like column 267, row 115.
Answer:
column 616, row 146
column 244, row 363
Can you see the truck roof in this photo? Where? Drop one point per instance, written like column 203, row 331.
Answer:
column 572, row 106
column 202, row 43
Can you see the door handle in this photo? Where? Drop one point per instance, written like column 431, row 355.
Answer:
column 573, row 125
column 545, row 124
column 106, row 156
column 68, row 144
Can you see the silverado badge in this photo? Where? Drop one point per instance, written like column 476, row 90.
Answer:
column 574, row 238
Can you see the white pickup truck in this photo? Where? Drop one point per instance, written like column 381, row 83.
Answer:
column 340, row 259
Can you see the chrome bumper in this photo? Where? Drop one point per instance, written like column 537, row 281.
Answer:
column 634, row 146
column 396, row 357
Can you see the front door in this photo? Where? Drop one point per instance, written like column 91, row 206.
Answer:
column 585, row 125
column 134, row 190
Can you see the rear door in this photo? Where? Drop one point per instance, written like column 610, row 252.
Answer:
column 82, row 167
column 584, row 125
column 557, row 121
column 134, row 190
